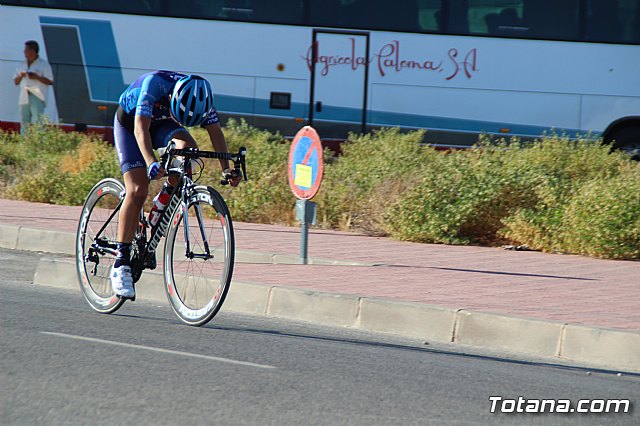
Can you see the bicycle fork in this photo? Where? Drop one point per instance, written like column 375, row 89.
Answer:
column 185, row 217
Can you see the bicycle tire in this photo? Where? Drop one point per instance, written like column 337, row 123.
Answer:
column 197, row 286
column 93, row 275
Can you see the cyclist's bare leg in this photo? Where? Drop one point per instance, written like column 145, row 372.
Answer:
column 182, row 140
column 137, row 189
column 136, row 183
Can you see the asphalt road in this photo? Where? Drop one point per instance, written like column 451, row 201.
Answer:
column 62, row 363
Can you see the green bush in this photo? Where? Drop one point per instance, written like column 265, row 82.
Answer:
column 460, row 197
column 367, row 176
column 553, row 194
column 554, row 168
column 95, row 161
column 266, row 198
column 51, row 166
column 603, row 218
column 39, row 185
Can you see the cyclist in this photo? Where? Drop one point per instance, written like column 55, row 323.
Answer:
column 154, row 110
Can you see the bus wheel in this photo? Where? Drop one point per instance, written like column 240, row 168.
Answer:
column 626, row 139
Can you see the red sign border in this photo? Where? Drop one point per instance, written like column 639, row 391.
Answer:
column 310, row 132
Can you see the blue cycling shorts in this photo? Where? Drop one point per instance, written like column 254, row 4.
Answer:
column 129, row 154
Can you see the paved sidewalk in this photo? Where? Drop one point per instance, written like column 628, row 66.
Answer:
column 570, row 289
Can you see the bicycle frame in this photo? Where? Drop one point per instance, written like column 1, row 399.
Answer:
column 180, row 197
column 176, row 201
column 160, row 230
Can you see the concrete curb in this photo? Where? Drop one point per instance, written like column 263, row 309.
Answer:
column 602, row 348
column 414, row 320
column 530, row 336
column 9, row 236
column 31, row 239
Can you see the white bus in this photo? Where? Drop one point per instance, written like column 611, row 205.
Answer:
column 457, row 68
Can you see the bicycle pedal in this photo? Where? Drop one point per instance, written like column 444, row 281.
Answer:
column 132, row 298
column 150, row 263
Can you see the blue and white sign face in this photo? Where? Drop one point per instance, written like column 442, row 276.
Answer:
column 306, row 165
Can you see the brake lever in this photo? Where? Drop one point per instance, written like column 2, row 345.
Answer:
column 242, row 153
column 166, row 153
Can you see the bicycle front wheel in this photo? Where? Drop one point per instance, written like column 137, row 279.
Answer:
column 199, row 256
column 97, row 230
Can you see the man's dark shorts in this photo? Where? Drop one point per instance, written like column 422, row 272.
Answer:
column 162, row 131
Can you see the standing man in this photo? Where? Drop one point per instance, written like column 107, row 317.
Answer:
column 34, row 77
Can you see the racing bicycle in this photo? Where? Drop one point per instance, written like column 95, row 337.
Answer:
column 199, row 248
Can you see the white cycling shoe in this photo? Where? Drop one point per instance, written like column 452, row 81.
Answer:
column 122, row 282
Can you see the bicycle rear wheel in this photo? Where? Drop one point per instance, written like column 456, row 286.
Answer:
column 197, row 278
column 97, row 230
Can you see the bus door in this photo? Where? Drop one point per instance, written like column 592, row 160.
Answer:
column 339, row 79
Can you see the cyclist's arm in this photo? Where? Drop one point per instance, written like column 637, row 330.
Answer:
column 218, row 141
column 143, row 137
column 220, row 144
column 149, row 94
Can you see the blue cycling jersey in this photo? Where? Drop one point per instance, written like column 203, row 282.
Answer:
column 148, row 96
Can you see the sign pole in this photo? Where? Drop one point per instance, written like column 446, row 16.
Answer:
column 306, row 214
column 305, row 174
column 304, row 240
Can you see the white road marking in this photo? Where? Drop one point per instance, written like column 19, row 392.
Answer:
column 166, row 351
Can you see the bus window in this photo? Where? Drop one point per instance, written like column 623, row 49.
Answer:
column 633, row 27
column 41, row 3
column 552, row 19
column 237, row 9
column 327, row 13
column 146, row 7
column 613, row 21
column 430, row 15
column 497, row 17
column 602, row 20
column 403, row 15
column 278, row 12
column 195, row 8
column 458, row 17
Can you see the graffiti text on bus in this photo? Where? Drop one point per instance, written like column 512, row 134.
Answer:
column 468, row 64
column 329, row 61
column 389, row 59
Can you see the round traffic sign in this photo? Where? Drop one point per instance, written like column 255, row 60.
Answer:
column 305, row 163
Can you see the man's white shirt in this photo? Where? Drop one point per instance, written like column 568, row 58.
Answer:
column 39, row 89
